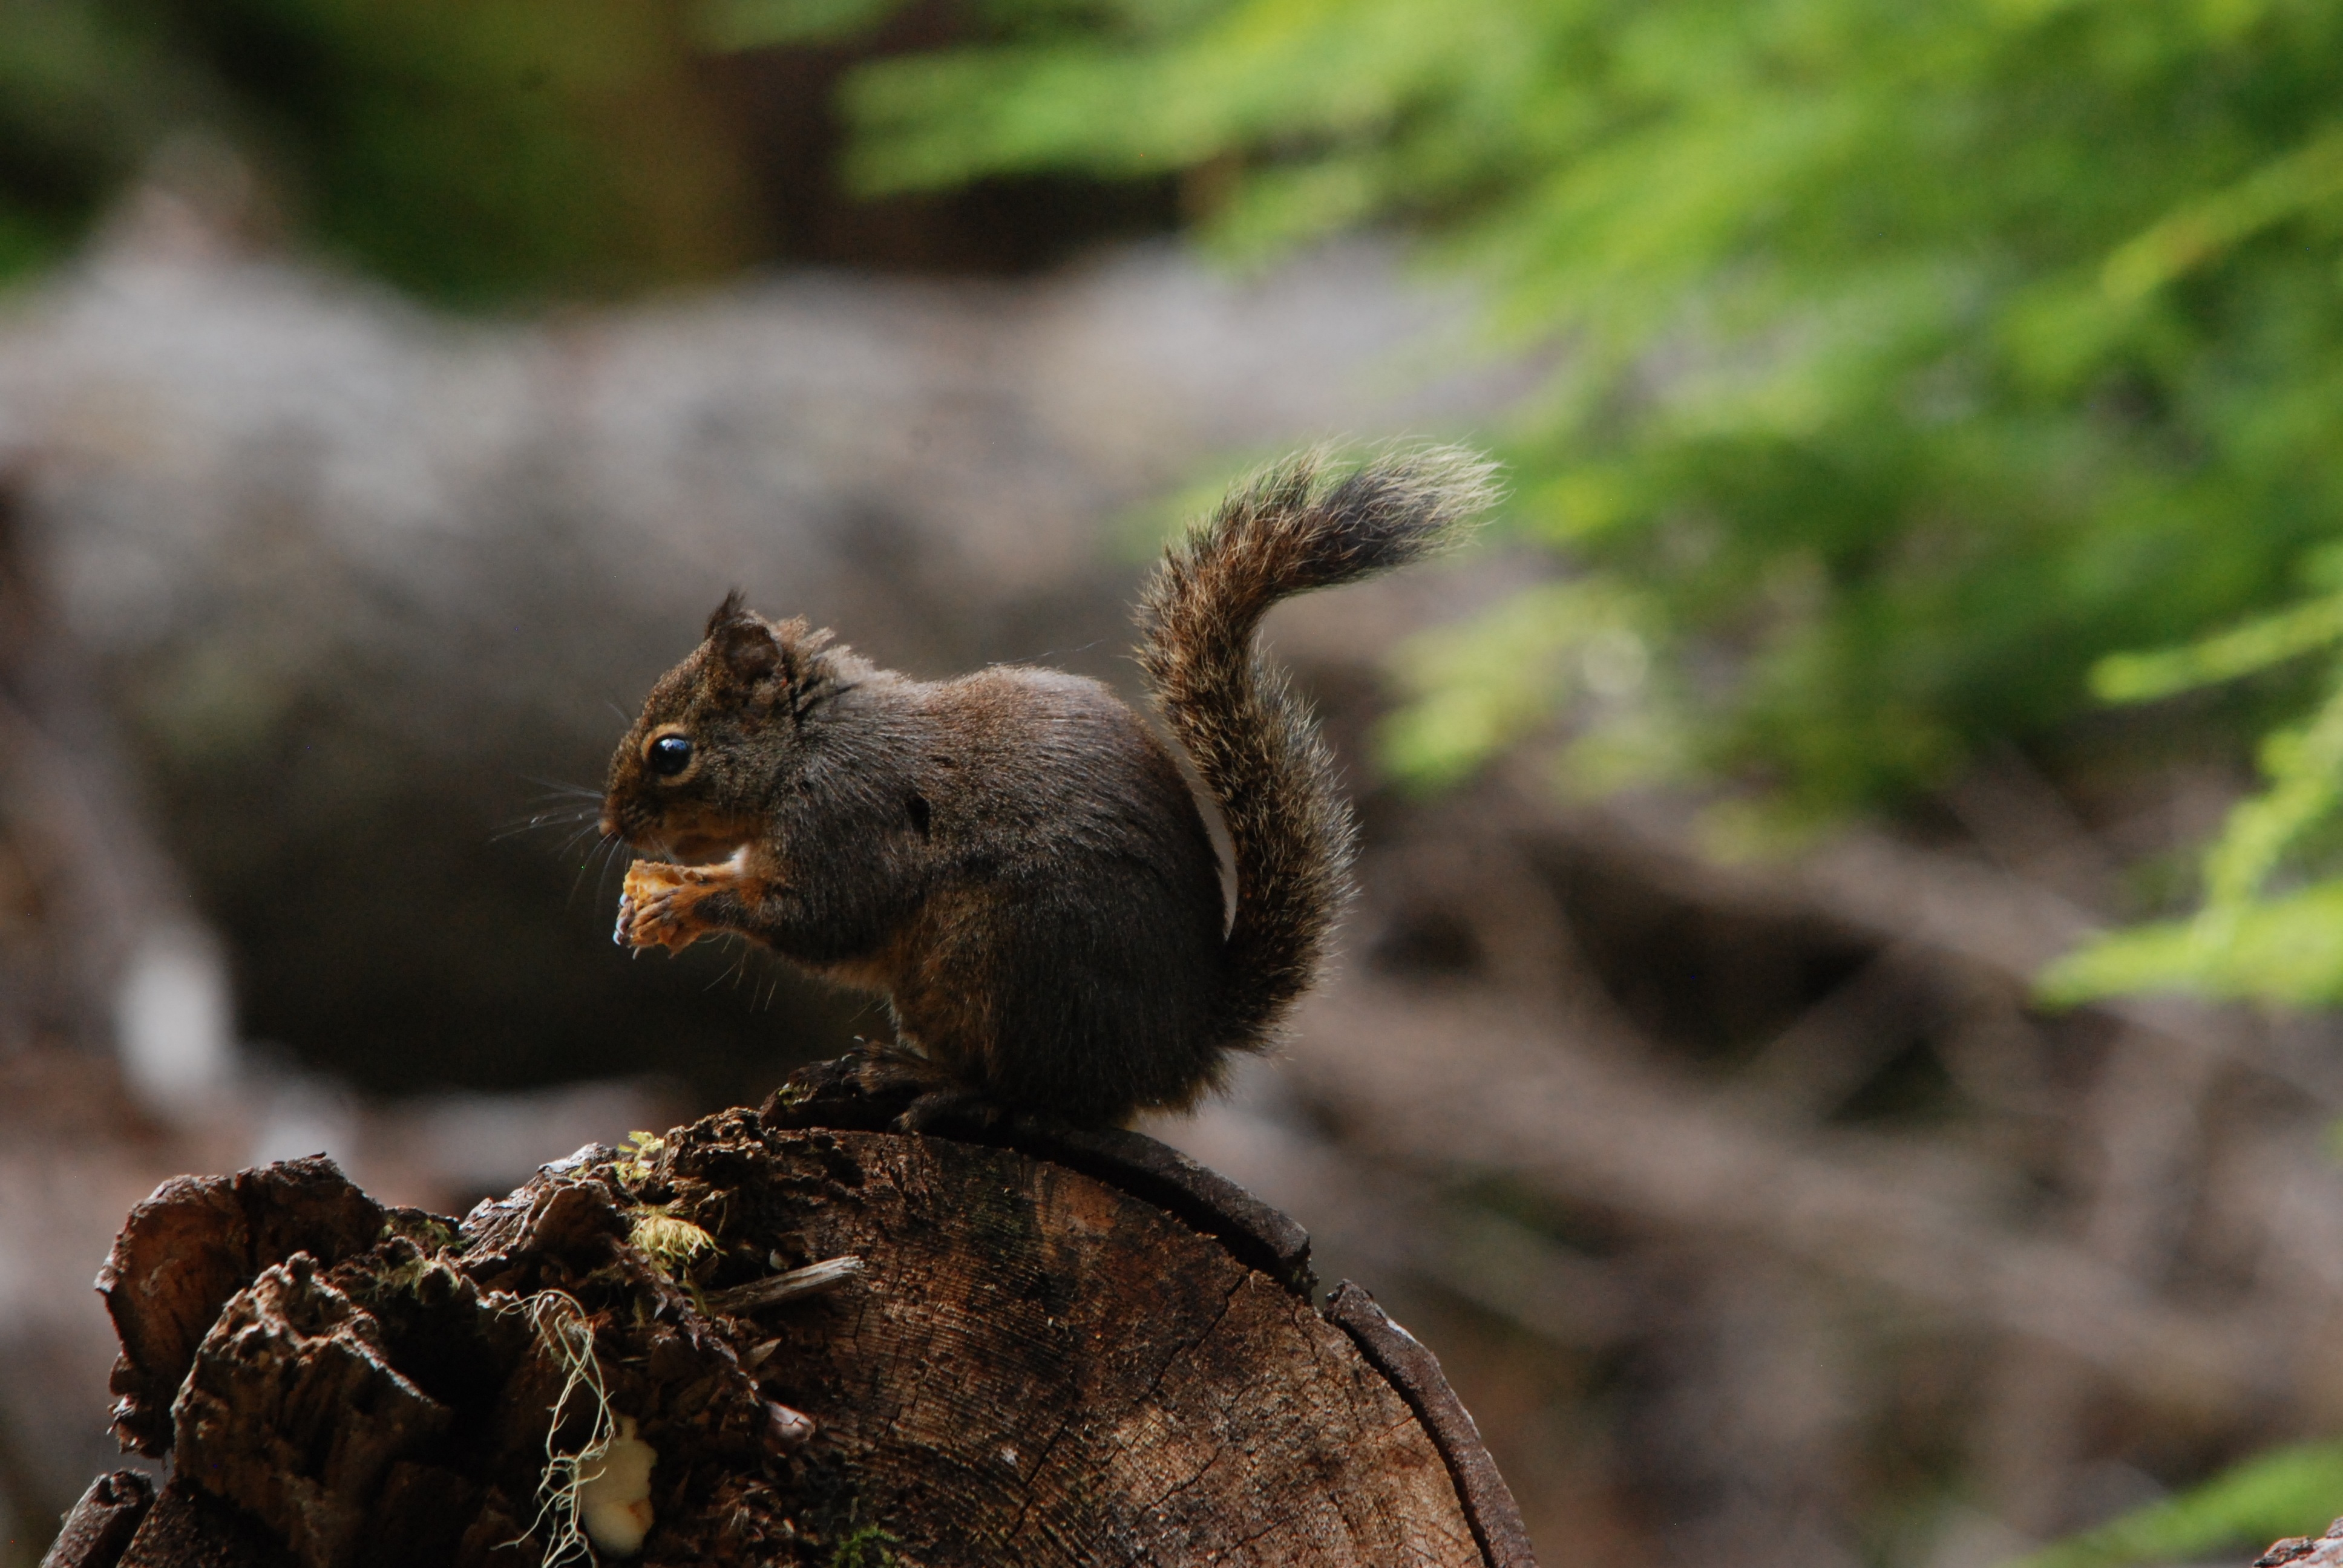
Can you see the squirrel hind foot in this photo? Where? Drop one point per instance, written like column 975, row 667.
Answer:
column 944, row 1105
column 887, row 1086
column 932, row 1098
column 958, row 1110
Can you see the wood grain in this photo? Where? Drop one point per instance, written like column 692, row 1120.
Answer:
column 1038, row 1369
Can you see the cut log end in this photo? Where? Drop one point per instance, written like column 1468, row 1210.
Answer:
column 1092, row 1350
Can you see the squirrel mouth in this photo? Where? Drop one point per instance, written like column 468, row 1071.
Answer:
column 702, row 849
column 688, row 837
column 699, row 843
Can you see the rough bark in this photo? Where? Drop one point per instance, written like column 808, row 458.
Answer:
column 101, row 1524
column 1082, row 1348
column 188, row 1250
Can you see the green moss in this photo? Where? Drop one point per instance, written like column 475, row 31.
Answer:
column 864, row 1546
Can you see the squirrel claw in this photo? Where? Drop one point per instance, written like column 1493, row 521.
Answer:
column 656, row 909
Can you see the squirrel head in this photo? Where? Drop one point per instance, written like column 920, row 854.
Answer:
column 694, row 778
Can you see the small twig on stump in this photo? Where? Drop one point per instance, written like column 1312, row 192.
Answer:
column 813, row 1280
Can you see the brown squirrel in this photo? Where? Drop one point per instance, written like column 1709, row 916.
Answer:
column 1012, row 857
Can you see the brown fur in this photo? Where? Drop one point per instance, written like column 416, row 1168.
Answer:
column 1011, row 858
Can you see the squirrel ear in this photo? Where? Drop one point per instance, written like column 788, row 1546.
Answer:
column 744, row 644
column 734, row 607
column 748, row 650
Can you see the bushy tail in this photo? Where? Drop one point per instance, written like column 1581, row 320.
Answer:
column 1306, row 522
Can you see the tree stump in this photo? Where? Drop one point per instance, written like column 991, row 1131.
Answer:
column 1082, row 1348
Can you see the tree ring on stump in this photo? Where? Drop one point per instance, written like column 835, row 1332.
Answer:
column 1090, row 1379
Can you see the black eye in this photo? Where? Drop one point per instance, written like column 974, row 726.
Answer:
column 670, row 755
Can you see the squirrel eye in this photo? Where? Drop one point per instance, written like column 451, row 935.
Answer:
column 670, row 755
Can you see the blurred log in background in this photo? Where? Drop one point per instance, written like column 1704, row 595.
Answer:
column 1755, row 1211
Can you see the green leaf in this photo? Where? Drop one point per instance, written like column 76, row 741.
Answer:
column 2257, row 645
column 2283, row 951
column 2208, row 227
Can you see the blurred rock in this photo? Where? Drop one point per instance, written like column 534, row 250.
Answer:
column 364, row 584
column 100, row 944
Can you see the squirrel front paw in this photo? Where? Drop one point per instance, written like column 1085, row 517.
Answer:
column 657, row 907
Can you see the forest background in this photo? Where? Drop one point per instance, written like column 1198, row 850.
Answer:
column 1901, row 702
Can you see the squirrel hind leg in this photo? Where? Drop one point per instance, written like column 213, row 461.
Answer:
column 932, row 1096
column 885, row 1070
column 943, row 1103
column 960, row 1109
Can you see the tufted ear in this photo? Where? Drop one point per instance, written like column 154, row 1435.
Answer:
column 734, row 607
column 745, row 647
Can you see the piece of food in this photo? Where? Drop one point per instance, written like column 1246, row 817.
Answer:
column 646, row 913
column 614, row 1492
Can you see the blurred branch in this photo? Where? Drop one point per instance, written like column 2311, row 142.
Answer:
column 1962, row 909
column 92, row 879
column 1387, row 1223
column 1465, row 1085
column 2020, row 820
column 1827, row 1053
column 1559, row 1090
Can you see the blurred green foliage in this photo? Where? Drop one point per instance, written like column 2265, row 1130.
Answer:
column 469, row 150
column 1909, row 360
column 1916, row 356
column 78, row 86
column 2247, row 940
column 2285, row 1491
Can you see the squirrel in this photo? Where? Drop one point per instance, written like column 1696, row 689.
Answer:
column 1012, row 857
